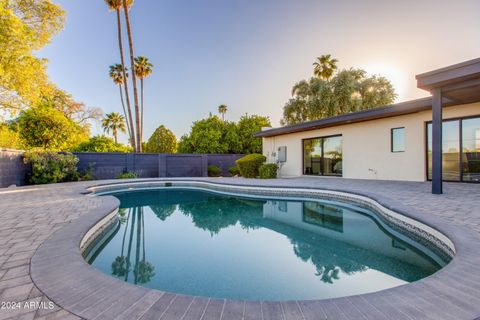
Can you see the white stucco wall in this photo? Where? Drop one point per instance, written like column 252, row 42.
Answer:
column 366, row 145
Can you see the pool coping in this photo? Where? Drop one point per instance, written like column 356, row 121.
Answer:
column 60, row 272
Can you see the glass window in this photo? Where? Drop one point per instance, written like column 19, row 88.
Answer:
column 322, row 156
column 332, row 156
column 451, row 150
column 312, row 153
column 471, row 149
column 398, row 139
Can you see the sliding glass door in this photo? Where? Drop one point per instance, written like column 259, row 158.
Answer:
column 451, row 150
column 312, row 150
column 461, row 150
column 323, row 156
column 471, row 150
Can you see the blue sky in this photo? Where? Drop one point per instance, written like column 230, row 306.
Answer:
column 248, row 54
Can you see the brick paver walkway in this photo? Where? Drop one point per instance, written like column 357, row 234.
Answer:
column 30, row 215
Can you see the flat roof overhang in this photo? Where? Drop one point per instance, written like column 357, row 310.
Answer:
column 460, row 83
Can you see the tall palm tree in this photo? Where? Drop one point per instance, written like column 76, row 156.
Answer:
column 114, row 122
column 222, row 109
column 116, row 5
column 126, row 7
column 119, row 265
column 324, row 67
column 137, row 244
column 116, row 73
column 143, row 68
column 130, row 242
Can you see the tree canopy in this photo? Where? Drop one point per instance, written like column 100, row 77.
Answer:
column 247, row 127
column 51, row 118
column 73, row 110
column 101, row 144
column 26, row 26
column 162, row 141
column 333, row 93
column 206, row 136
column 48, row 128
column 213, row 135
column 10, row 138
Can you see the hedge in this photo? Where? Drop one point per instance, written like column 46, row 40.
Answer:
column 268, row 171
column 214, row 171
column 249, row 165
column 234, row 171
column 51, row 167
column 127, row 175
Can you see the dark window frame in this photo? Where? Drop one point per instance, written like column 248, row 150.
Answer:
column 322, row 171
column 391, row 140
column 460, row 137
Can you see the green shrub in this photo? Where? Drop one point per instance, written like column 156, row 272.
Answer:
column 214, row 171
column 87, row 174
column 250, row 164
column 101, row 144
column 234, row 171
column 51, row 167
column 268, row 171
column 127, row 175
column 162, row 141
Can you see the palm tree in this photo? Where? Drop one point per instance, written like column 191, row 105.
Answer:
column 116, row 73
column 119, row 265
column 116, row 5
column 324, row 67
column 143, row 68
column 115, row 122
column 126, row 5
column 222, row 109
column 130, row 242
column 143, row 271
column 137, row 244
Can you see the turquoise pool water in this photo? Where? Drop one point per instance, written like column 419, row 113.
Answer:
column 203, row 243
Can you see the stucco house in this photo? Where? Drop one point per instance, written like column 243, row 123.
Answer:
column 394, row 142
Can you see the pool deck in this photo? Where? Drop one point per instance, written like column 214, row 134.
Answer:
column 41, row 227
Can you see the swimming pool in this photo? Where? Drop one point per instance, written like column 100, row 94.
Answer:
column 236, row 246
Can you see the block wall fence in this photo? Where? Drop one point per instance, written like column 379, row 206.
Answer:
column 153, row 165
column 109, row 165
column 12, row 169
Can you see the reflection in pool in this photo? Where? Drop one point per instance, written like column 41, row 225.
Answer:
column 203, row 243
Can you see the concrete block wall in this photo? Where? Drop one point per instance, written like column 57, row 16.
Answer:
column 12, row 169
column 110, row 165
column 152, row 165
column 103, row 165
column 223, row 161
column 183, row 165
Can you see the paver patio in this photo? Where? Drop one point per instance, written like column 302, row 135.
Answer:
column 31, row 215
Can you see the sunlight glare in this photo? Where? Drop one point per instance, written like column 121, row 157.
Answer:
column 395, row 74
